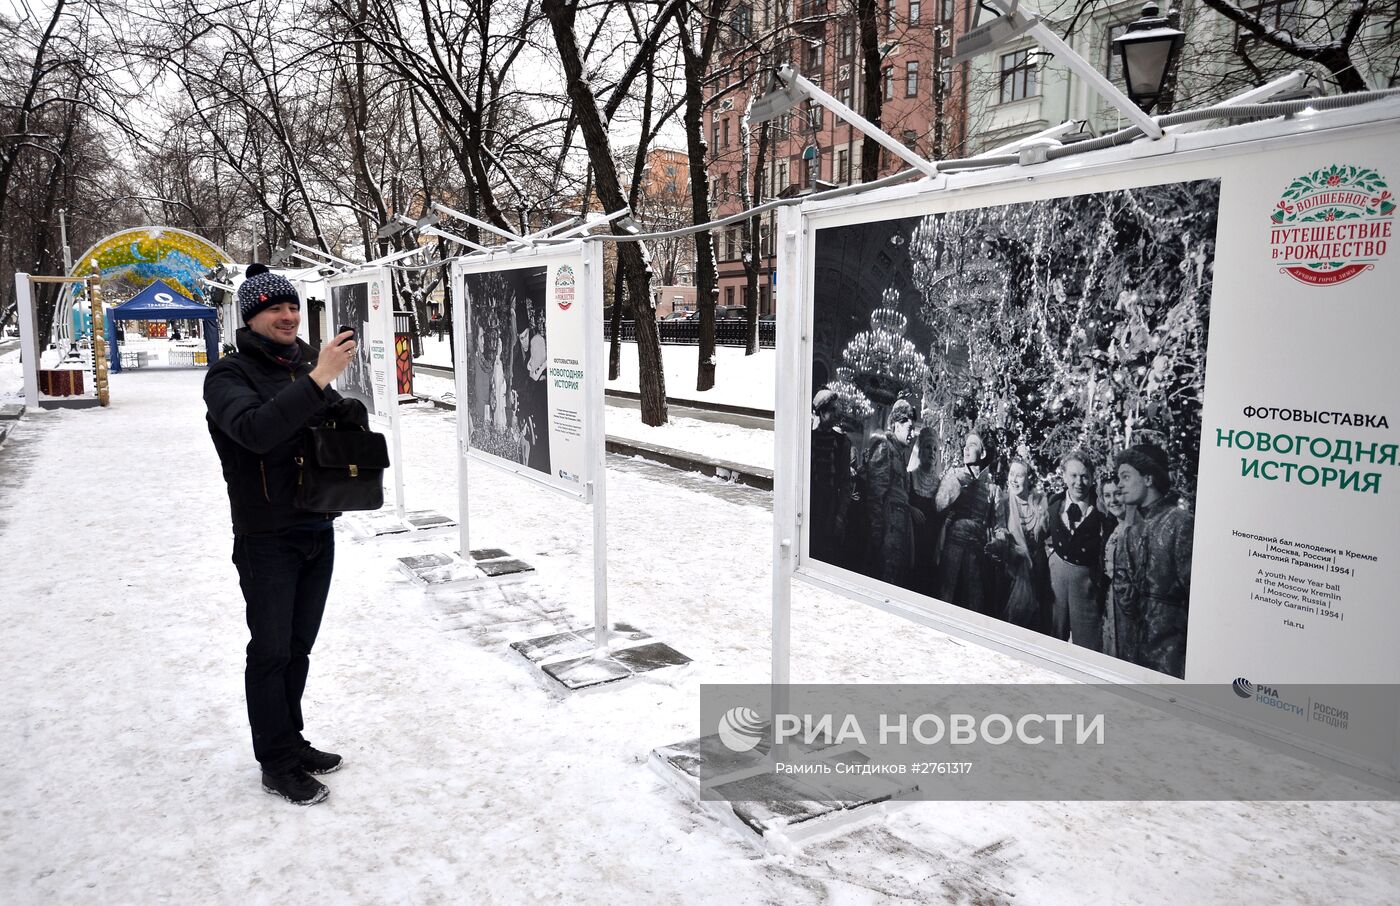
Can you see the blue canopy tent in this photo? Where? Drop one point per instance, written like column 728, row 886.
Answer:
column 160, row 302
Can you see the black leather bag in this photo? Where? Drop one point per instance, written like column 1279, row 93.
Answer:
column 341, row 469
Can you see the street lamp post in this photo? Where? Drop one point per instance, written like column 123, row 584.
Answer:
column 1149, row 49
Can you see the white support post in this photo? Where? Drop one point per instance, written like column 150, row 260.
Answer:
column 788, row 75
column 453, row 237
column 1044, row 135
column 788, row 410
column 461, row 377
column 28, row 342
column 398, row 447
column 329, row 257
column 479, row 224
column 595, row 358
column 390, row 259
column 588, row 224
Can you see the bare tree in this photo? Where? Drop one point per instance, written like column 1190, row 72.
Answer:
column 632, row 264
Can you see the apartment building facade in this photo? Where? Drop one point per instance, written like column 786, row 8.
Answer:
column 809, row 148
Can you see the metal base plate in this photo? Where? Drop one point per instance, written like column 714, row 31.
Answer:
column 572, row 660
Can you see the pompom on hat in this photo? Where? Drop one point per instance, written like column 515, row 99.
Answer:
column 262, row 289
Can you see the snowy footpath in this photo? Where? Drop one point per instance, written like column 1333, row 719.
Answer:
column 127, row 775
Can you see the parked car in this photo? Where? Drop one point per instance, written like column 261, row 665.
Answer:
column 679, row 316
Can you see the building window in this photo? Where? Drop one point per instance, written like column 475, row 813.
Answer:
column 891, row 15
column 911, row 78
column 781, row 180
column 726, row 132
column 1017, row 79
column 947, row 9
column 1114, row 68
column 843, row 165
column 911, row 139
column 714, row 129
column 765, row 240
column 848, row 42
column 815, row 117
column 816, row 54
column 889, row 83
column 844, row 95
column 729, row 296
column 743, row 20
column 915, row 8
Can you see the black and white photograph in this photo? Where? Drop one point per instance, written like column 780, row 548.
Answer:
column 507, row 353
column 350, row 306
column 1006, row 410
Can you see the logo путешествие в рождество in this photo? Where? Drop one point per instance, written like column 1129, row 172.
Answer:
column 564, row 287
column 1331, row 224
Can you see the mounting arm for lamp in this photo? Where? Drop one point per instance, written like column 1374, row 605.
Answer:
column 794, row 88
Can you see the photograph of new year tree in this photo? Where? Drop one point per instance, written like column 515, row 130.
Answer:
column 1007, row 410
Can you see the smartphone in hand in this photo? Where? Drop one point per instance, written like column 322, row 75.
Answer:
column 342, row 329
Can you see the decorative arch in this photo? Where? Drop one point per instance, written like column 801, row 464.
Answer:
column 130, row 260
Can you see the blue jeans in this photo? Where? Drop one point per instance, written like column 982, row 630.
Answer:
column 285, row 577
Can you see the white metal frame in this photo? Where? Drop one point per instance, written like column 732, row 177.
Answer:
column 28, row 341
column 593, row 487
column 383, row 322
column 796, row 236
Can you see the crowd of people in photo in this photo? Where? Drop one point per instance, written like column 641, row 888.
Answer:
column 1104, row 562
column 507, row 392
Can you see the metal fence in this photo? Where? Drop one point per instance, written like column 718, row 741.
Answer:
column 727, row 333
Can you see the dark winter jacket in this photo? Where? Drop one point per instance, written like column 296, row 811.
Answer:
column 259, row 408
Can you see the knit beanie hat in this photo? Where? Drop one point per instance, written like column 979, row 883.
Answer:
column 263, row 289
column 1151, row 461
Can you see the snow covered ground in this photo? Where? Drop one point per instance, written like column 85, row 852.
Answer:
column 127, row 774
column 11, row 376
column 740, row 380
column 745, row 446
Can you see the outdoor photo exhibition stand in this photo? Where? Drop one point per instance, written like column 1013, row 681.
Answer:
column 363, row 299
column 55, row 382
column 529, row 386
column 1038, row 335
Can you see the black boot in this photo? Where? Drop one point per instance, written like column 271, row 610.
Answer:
column 314, row 761
column 296, row 786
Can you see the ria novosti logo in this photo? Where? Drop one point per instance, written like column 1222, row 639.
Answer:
column 564, row 287
column 740, row 729
column 1331, row 224
column 1243, row 688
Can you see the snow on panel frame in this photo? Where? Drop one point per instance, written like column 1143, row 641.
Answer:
column 526, row 391
column 364, row 302
column 977, row 373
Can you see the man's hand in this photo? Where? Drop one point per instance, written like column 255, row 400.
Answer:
column 334, row 358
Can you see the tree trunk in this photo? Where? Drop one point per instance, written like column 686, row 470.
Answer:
column 706, row 278
column 615, row 347
column 631, row 264
column 873, row 99
column 753, row 246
